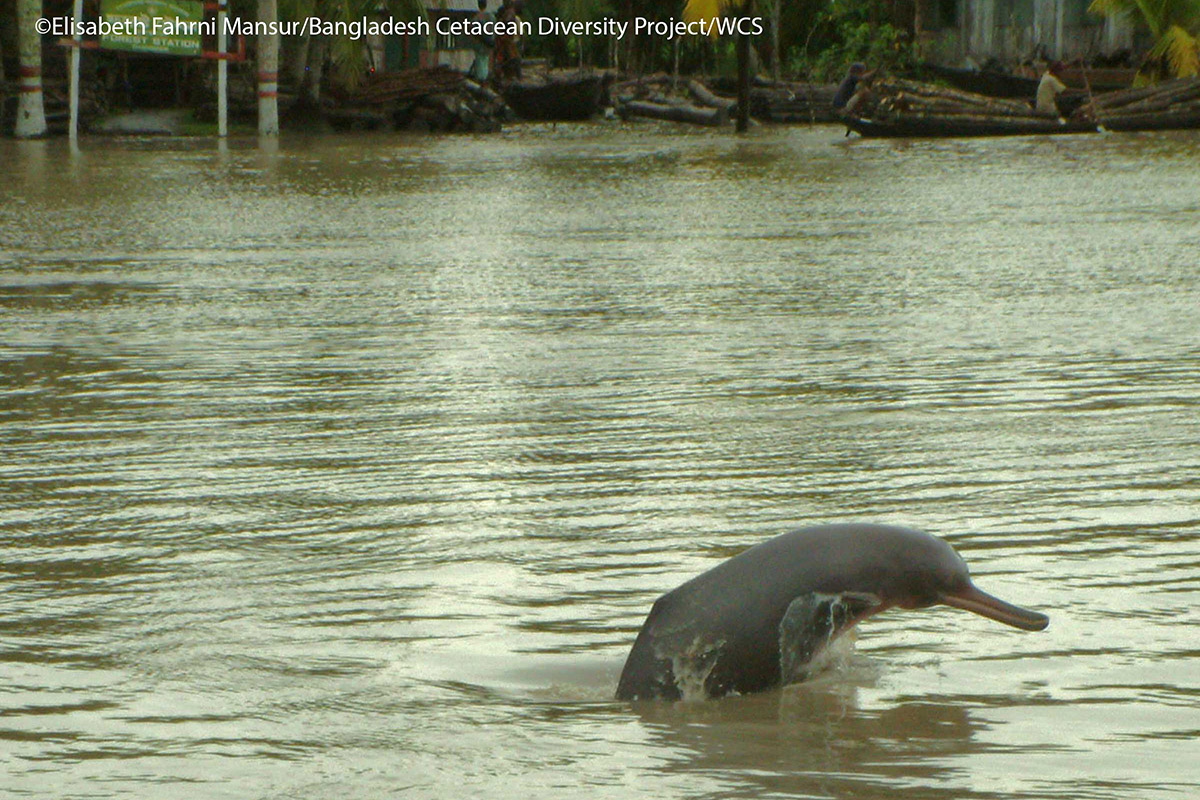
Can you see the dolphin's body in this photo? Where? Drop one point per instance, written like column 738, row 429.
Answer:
column 757, row 620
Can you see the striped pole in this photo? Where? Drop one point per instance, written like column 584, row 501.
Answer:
column 268, row 72
column 222, row 73
column 31, row 113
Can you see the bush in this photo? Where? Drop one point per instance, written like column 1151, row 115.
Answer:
column 881, row 46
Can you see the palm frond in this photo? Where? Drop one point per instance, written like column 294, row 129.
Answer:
column 1181, row 49
column 1111, row 8
column 696, row 10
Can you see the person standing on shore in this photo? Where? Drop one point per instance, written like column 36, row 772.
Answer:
column 508, row 51
column 483, row 45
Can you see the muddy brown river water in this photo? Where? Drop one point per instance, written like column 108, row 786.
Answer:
column 352, row 469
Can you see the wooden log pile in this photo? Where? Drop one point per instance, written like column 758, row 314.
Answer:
column 408, row 84
column 896, row 107
column 660, row 96
column 923, row 105
column 1171, row 104
column 689, row 100
column 785, row 102
column 895, row 96
column 793, row 102
column 438, row 100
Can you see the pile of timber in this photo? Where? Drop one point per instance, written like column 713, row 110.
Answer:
column 785, row 102
column 1168, row 105
column 898, row 107
column 688, row 100
column 408, row 84
column 559, row 94
column 794, row 102
column 438, row 100
column 678, row 100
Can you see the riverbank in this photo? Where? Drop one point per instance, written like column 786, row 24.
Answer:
column 445, row 101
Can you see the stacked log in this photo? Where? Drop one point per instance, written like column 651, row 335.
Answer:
column 437, row 100
column 1171, row 104
column 674, row 112
column 559, row 95
column 1156, row 97
column 789, row 103
column 661, row 97
column 895, row 97
column 894, row 106
column 408, row 84
column 900, row 95
column 785, row 102
column 712, row 104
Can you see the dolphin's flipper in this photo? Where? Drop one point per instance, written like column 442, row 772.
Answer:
column 811, row 622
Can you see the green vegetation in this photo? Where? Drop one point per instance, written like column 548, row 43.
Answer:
column 815, row 39
column 854, row 39
column 348, row 57
column 1175, row 26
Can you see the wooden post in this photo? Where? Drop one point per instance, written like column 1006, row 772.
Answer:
column 76, row 54
column 268, row 73
column 743, row 68
column 222, row 72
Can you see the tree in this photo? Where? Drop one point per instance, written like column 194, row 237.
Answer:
column 1175, row 26
column 350, row 57
column 31, row 113
column 583, row 11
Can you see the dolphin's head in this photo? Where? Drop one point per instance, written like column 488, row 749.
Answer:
column 934, row 573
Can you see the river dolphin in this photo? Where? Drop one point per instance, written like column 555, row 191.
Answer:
column 758, row 620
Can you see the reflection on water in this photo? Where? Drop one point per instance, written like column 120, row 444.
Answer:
column 356, row 466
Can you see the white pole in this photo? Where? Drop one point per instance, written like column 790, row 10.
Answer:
column 222, row 74
column 76, row 52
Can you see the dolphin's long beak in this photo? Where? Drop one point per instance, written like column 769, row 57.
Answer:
column 985, row 605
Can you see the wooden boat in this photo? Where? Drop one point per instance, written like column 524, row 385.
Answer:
column 1170, row 120
column 896, row 107
column 1100, row 79
column 1003, row 84
column 984, row 82
column 949, row 125
column 574, row 96
column 1171, row 105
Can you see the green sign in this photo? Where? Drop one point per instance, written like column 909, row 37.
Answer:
column 153, row 26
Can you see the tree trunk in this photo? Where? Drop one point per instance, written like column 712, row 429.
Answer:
column 706, row 98
column 310, row 87
column 31, row 113
column 268, row 73
column 775, row 54
column 743, row 69
column 675, row 113
column 298, row 65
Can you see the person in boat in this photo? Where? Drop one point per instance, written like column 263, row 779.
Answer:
column 483, row 45
column 1049, row 88
column 850, row 91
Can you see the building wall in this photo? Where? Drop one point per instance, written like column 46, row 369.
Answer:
column 1013, row 31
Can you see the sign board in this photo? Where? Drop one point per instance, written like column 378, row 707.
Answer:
column 172, row 27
